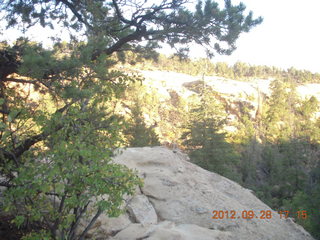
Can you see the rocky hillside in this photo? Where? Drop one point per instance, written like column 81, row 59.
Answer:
column 175, row 81
column 177, row 202
column 231, row 90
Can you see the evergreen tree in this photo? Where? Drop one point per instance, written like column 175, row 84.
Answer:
column 282, row 107
column 138, row 134
column 204, row 137
column 308, row 128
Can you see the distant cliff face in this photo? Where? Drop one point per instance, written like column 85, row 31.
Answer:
column 180, row 200
column 171, row 80
column 233, row 92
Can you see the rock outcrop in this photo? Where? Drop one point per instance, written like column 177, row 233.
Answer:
column 177, row 202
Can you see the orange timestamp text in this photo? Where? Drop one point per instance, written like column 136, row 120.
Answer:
column 250, row 214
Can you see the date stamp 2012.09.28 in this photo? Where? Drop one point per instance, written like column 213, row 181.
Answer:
column 262, row 214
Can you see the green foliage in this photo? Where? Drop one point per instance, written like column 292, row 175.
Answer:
column 283, row 166
column 204, row 137
column 37, row 235
column 308, row 200
column 278, row 149
column 105, row 25
column 281, row 122
column 57, row 140
column 138, row 134
column 163, row 117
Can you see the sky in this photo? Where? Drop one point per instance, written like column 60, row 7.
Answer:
column 288, row 37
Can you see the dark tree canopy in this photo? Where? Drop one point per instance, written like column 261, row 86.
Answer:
column 122, row 24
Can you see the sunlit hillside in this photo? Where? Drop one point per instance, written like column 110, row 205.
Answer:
column 233, row 94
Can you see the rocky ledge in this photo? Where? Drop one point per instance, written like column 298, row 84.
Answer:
column 177, row 202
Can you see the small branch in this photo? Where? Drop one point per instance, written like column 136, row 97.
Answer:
column 57, row 221
column 93, row 220
column 130, row 23
column 20, row 80
column 76, row 13
column 9, row 185
column 76, row 223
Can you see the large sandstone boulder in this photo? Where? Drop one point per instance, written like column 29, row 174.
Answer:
column 177, row 201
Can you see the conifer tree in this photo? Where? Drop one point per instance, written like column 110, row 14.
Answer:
column 205, row 138
column 280, row 117
column 138, row 134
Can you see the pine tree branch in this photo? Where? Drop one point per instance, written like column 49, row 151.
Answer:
column 28, row 143
column 137, row 35
column 76, row 13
